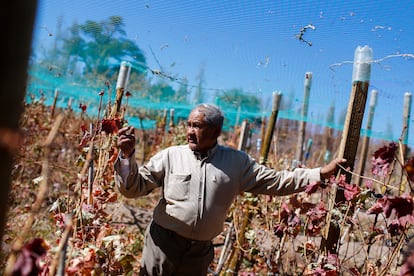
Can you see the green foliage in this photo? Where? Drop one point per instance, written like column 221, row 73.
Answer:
column 238, row 98
column 94, row 50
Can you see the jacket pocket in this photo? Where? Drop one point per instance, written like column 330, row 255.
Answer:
column 177, row 187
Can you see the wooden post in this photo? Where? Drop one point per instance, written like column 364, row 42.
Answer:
column 171, row 124
column 328, row 134
column 121, row 85
column 302, row 126
column 244, row 135
column 350, row 138
column 308, row 150
column 91, row 167
column 365, row 141
column 237, row 116
column 264, row 151
column 52, row 112
column 406, row 122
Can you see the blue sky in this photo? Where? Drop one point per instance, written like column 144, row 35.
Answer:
column 252, row 45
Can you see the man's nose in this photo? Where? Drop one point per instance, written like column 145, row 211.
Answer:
column 190, row 129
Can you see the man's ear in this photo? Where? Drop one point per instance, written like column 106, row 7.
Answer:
column 217, row 131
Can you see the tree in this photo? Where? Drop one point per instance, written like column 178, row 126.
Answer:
column 99, row 47
column 199, row 96
column 161, row 92
column 238, row 98
column 181, row 95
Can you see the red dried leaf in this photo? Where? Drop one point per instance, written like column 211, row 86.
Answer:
column 409, row 168
column 112, row 197
column 351, row 191
column 82, row 265
column 377, row 208
column 402, row 206
column 111, row 126
column 312, row 188
column 382, row 159
column 408, row 267
column 298, row 203
column 395, row 227
column 316, row 219
column 285, row 212
column 279, row 229
column 83, row 107
column 28, row 262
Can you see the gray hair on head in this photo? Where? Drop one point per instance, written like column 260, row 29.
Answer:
column 213, row 114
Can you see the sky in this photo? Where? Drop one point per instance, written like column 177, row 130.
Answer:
column 254, row 46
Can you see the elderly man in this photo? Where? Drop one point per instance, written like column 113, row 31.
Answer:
column 199, row 182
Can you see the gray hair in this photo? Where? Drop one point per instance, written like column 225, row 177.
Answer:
column 213, row 114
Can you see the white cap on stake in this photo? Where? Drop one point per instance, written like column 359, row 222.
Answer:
column 373, row 100
column 362, row 64
column 308, row 80
column 123, row 76
column 276, row 100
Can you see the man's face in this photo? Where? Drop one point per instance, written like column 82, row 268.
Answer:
column 200, row 136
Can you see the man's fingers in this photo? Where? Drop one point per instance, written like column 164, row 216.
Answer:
column 126, row 130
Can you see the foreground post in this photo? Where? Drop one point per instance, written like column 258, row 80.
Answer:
column 350, row 137
column 16, row 18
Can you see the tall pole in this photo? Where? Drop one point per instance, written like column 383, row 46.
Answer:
column 350, row 137
column 264, row 151
column 302, row 126
column 365, row 141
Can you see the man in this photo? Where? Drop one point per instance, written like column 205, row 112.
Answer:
column 199, row 182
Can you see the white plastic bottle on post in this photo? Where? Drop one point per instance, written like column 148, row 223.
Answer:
column 362, row 64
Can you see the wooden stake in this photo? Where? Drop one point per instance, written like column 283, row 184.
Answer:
column 52, row 113
column 347, row 150
column 365, row 141
column 264, row 151
column 90, row 157
column 244, row 135
column 349, row 143
column 302, row 126
column 406, row 121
